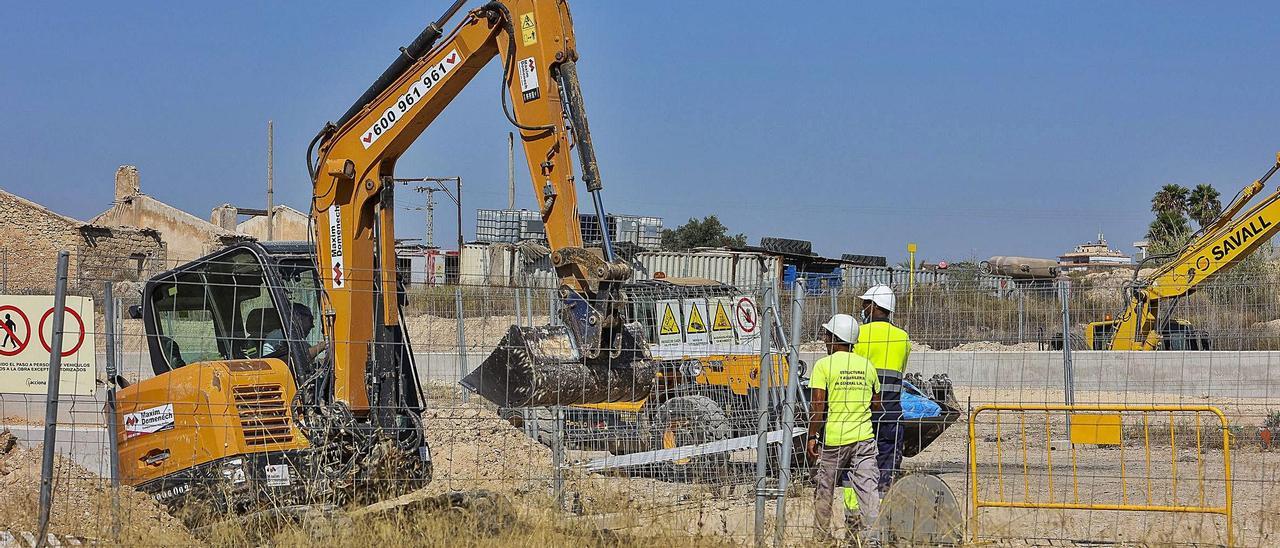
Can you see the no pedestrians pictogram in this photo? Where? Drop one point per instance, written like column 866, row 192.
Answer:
column 12, row 323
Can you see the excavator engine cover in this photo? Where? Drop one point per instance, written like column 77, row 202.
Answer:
column 543, row 366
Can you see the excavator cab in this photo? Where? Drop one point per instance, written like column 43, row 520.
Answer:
column 1175, row 334
column 235, row 415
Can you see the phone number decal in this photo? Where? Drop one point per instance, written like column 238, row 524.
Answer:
column 410, row 99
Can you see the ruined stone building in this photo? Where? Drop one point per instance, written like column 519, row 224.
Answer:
column 137, row 237
column 31, row 236
column 287, row 223
column 186, row 236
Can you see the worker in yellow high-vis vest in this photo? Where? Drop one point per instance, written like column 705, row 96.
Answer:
column 844, row 388
column 887, row 346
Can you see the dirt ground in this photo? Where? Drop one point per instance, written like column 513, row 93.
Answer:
column 435, row 334
column 82, row 506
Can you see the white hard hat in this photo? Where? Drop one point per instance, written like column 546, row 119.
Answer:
column 882, row 295
column 844, row 327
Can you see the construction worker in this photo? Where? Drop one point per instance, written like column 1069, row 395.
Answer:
column 887, row 346
column 844, row 388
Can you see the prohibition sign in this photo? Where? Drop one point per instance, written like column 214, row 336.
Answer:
column 75, row 315
column 4, row 330
column 745, row 311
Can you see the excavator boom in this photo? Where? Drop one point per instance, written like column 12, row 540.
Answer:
column 1229, row 239
column 354, row 223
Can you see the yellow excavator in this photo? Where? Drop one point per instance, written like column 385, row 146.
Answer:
column 1229, row 239
column 283, row 378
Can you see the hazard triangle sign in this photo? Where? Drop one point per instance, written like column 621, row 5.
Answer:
column 696, row 330
column 669, row 331
column 721, row 325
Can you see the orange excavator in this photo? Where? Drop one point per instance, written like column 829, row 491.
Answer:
column 283, row 377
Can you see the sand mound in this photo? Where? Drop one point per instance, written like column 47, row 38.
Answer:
column 436, row 334
column 990, row 346
column 82, row 502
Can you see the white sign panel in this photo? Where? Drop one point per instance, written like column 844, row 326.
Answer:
column 26, row 336
column 721, row 312
column 336, row 257
column 667, row 314
column 148, row 421
column 697, row 329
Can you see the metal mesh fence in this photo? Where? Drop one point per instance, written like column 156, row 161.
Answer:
column 232, row 415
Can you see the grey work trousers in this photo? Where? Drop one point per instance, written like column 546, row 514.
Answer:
column 859, row 458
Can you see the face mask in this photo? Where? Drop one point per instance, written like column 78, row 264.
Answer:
column 864, row 316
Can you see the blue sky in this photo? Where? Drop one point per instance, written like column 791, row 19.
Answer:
column 974, row 129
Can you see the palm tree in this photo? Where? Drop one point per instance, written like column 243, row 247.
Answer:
column 1203, row 204
column 1170, row 199
column 1168, row 228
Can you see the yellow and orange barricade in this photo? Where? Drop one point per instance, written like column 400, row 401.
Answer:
column 1044, row 454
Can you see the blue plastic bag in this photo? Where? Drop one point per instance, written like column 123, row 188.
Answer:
column 917, row 406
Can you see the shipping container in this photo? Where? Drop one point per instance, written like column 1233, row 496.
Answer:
column 816, row 283
column 746, row 270
column 857, row 278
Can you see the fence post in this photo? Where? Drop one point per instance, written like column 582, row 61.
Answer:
column 762, row 424
column 515, row 293
column 110, row 308
column 1068, row 379
column 789, row 409
column 552, row 309
column 462, row 340
column 557, row 456
column 51, row 400
column 1022, row 311
column 528, row 303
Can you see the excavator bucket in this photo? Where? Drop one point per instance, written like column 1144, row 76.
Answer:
column 543, row 366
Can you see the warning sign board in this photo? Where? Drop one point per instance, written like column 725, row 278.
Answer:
column 696, row 329
column 721, row 325
column 746, row 319
column 668, row 315
column 26, row 338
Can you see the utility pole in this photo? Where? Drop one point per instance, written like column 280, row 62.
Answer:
column 455, row 195
column 511, row 170
column 431, row 212
column 271, row 170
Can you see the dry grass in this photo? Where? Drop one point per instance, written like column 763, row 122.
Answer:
column 526, row 523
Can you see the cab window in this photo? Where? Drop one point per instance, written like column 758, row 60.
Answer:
column 218, row 310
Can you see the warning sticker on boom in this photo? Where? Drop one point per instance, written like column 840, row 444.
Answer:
column 528, row 71
column 528, row 30
column 668, row 323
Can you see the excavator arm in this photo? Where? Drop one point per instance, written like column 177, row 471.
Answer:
column 1232, row 237
column 353, row 198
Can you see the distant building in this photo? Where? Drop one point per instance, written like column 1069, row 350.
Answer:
column 33, row 235
column 1094, row 256
column 1142, row 246
column 186, row 236
column 287, row 223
